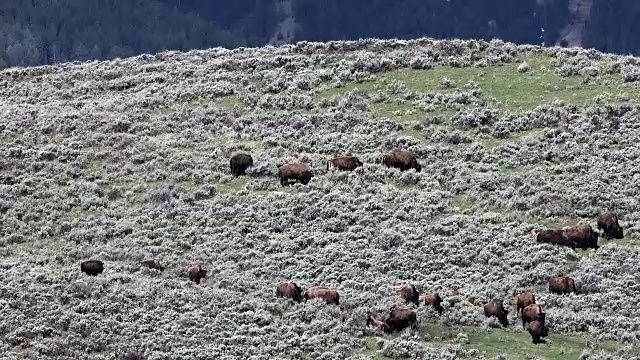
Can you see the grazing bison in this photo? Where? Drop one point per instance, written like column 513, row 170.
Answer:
column 344, row 163
column 379, row 324
column 152, row 263
column 403, row 160
column 530, row 313
column 583, row 236
column 538, row 329
column 239, row 163
column 608, row 221
column 525, row 299
column 399, row 319
column 289, row 290
column 556, row 237
column 196, row 273
column 434, row 300
column 330, row 296
column 562, row 285
column 295, row 171
column 498, row 311
column 409, row 293
column 92, row 267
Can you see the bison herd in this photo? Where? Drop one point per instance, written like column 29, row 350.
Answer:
column 300, row 172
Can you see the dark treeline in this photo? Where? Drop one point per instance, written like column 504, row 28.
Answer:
column 48, row 31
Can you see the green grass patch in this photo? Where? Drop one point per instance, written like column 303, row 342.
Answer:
column 625, row 242
column 557, row 222
column 461, row 203
column 232, row 185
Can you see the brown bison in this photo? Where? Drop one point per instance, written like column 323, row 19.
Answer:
column 92, row 267
column 152, row 263
column 379, row 324
column 583, row 236
column 434, row 300
column 538, row 329
column 608, row 221
column 330, row 296
column 409, row 293
column 498, row 311
column 525, row 299
column 403, row 160
column 562, row 285
column 196, row 273
column 295, row 171
column 530, row 313
column 556, row 237
column 239, row 163
column 344, row 163
column 289, row 290
column 400, row 319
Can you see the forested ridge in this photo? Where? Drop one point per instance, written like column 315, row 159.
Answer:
column 48, row 31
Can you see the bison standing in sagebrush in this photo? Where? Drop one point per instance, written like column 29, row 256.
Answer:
column 538, row 329
column 409, row 293
column 498, row 311
column 583, row 236
column 152, row 263
column 295, row 171
column 196, row 273
column 556, row 237
column 399, row 319
column 530, row 313
column 239, row 163
column 379, row 324
column 344, row 163
column 434, row 300
column 289, row 290
column 525, row 299
column 330, row 296
column 403, row 160
column 92, row 267
column 608, row 221
column 562, row 285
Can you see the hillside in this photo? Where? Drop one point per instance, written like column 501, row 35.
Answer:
column 125, row 159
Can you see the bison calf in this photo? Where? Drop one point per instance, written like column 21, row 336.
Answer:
column 239, row 163
column 92, row 267
column 403, row 160
column 530, row 313
column 289, row 290
column 608, row 221
column 538, row 329
column 379, row 324
column 562, row 285
column 344, row 163
column 434, row 300
column 294, row 171
column 409, row 293
column 498, row 311
column 330, row 296
column 196, row 273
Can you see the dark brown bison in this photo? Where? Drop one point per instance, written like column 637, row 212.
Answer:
column 556, row 237
column 530, row 313
column 295, row 171
column 239, row 163
column 562, row 285
column 608, row 221
column 538, row 329
column 330, row 296
column 409, row 293
column 498, row 311
column 379, row 324
column 525, row 299
column 92, row 267
column 434, row 300
column 196, row 273
column 583, row 236
column 289, row 290
column 152, row 263
column 344, row 163
column 400, row 319
column 403, row 160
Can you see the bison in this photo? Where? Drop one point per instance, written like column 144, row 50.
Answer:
column 196, row 273
column 409, row 293
column 239, row 163
column 92, row 267
column 562, row 285
column 538, row 329
column 379, row 324
column 498, row 311
column 556, row 237
column 608, row 221
column 330, row 296
column 289, row 290
column 295, row 171
column 152, row 263
column 525, row 299
column 530, row 313
column 403, row 160
column 344, row 163
column 434, row 300
column 583, row 236
column 400, row 319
